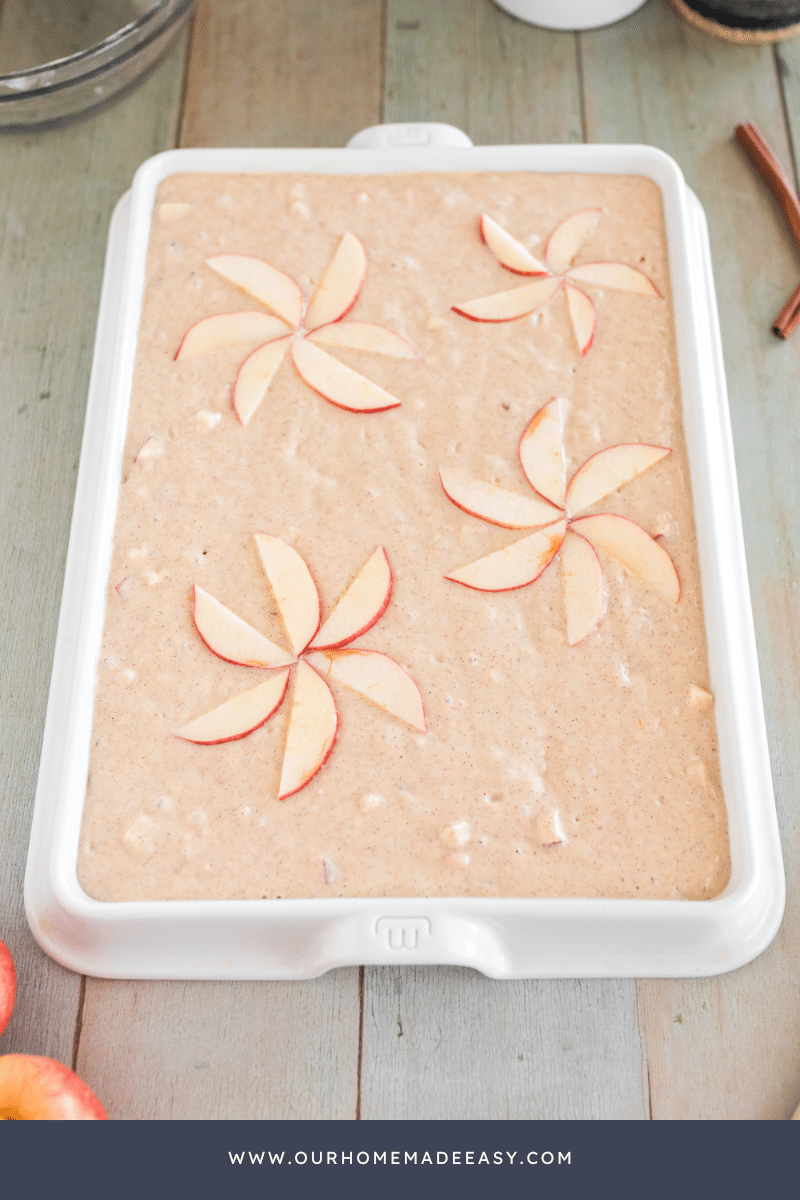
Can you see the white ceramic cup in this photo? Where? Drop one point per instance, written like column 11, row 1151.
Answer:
column 570, row 14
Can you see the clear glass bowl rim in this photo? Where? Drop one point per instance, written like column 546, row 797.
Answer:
column 117, row 48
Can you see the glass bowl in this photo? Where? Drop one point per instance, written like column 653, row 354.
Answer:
column 71, row 84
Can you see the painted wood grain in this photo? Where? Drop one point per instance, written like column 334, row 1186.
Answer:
column 212, row 1051
column 282, row 73
column 469, row 64
column 787, row 62
column 729, row 1048
column 449, row 1044
column 445, row 1043
column 57, row 190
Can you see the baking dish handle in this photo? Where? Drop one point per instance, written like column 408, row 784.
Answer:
column 407, row 133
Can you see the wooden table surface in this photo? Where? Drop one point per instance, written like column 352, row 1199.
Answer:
column 402, row 1042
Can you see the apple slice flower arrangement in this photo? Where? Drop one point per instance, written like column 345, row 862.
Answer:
column 554, row 512
column 555, row 275
column 317, row 654
column 32, row 1087
column 300, row 328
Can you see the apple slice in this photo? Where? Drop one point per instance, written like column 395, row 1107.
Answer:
column 338, row 383
column 629, row 545
column 231, row 638
column 378, row 678
column 567, row 238
column 493, row 503
column 125, row 587
column 541, row 452
column 583, row 315
column 255, row 375
column 508, row 251
column 293, row 589
column 549, row 829
column 614, row 275
column 360, row 606
column 274, row 289
column 515, row 565
column 152, row 448
column 357, row 335
column 237, row 717
column 584, row 594
column 339, row 284
column 608, row 471
column 34, row 1088
column 509, row 306
column 313, row 723
column 229, row 329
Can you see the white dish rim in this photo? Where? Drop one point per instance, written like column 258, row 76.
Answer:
column 504, row 938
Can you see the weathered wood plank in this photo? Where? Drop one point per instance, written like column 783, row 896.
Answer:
column 729, row 1048
column 205, row 1051
column 272, row 75
column 470, row 64
column 787, row 64
column 449, row 1044
column 439, row 1042
column 282, row 74
column 57, row 189
column 787, row 61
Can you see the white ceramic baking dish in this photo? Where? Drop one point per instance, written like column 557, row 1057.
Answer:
column 504, row 938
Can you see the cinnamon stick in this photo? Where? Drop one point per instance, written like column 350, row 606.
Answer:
column 788, row 318
column 778, row 182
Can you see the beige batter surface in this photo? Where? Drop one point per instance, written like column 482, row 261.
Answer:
column 613, row 735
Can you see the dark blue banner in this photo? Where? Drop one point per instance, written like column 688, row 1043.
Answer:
column 578, row 1160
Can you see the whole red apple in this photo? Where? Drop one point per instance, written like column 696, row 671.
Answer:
column 39, row 1089
column 8, row 985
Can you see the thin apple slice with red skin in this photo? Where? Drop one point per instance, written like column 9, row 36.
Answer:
column 275, row 290
column 339, row 284
column 608, row 471
column 255, row 376
column 313, row 724
column 340, row 384
column 567, row 238
column 514, row 566
column 237, row 717
column 629, row 545
column 510, row 306
column 152, row 448
column 584, row 594
column 8, row 985
column 231, row 638
column 35, row 1088
column 293, row 588
column 510, row 253
column 495, row 504
column 583, row 315
column 358, row 335
column 360, row 606
column 541, row 453
column 224, row 330
column 614, row 275
column 378, row 678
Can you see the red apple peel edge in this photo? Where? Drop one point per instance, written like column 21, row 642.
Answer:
column 8, row 985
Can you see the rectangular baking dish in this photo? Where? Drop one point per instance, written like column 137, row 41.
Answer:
column 503, row 938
